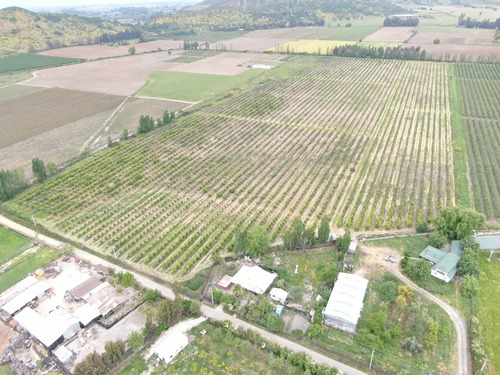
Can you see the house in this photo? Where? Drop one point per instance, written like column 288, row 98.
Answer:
column 225, row 282
column 171, row 345
column 279, row 295
column 346, row 302
column 445, row 265
column 352, row 247
column 254, row 279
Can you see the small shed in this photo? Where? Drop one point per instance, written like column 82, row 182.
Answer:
column 171, row 345
column 352, row 247
column 225, row 282
column 278, row 294
column 63, row 354
column 279, row 310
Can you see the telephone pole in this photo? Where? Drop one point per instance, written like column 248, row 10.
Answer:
column 371, row 359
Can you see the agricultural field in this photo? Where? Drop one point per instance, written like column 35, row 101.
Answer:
column 192, row 87
column 351, row 33
column 310, row 46
column 478, row 90
column 31, row 61
column 190, row 56
column 11, row 245
column 313, row 139
column 487, row 312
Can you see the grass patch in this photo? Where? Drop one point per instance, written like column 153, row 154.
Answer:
column 5, row 370
column 192, row 56
column 27, row 264
column 462, row 188
column 31, row 61
column 488, row 312
column 320, row 47
column 192, row 87
column 137, row 366
column 11, row 244
column 415, row 244
column 11, row 78
column 351, row 33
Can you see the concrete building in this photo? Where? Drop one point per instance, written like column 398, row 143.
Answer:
column 352, row 247
column 254, row 279
column 346, row 302
column 279, row 295
column 171, row 345
column 445, row 265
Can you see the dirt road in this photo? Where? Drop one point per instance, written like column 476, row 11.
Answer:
column 377, row 255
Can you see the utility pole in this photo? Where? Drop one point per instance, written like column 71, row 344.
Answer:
column 371, row 359
column 484, row 365
column 34, row 222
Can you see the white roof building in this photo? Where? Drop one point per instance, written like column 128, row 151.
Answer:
column 346, row 302
column 254, row 279
column 352, row 247
column 171, row 345
column 86, row 314
column 17, row 289
column 278, row 294
column 50, row 331
column 36, row 290
column 63, row 354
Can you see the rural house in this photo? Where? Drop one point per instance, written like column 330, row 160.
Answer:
column 444, row 264
column 254, row 279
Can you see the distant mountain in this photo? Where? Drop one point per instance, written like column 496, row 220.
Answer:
column 261, row 14
column 25, row 31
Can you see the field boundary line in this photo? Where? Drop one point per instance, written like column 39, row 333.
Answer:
column 86, row 144
column 165, row 99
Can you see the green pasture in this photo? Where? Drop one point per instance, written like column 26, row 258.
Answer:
column 4, row 370
column 26, row 264
column 192, row 87
column 488, row 311
column 351, row 33
column 32, row 61
column 137, row 366
column 192, row 56
column 415, row 244
column 11, row 78
column 12, row 244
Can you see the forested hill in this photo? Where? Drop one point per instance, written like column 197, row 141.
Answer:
column 25, row 31
column 260, row 14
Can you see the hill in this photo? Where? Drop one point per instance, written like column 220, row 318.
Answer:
column 25, row 31
column 261, row 14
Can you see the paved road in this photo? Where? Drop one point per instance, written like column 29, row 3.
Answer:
column 460, row 326
column 217, row 314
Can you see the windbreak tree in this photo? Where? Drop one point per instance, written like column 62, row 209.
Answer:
column 38, row 168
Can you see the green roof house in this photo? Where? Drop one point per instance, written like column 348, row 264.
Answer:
column 445, row 264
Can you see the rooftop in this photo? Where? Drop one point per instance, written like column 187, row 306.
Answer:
column 433, row 254
column 84, row 288
column 37, row 290
column 254, row 279
column 105, row 298
column 488, row 242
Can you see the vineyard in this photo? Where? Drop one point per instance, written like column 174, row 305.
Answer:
column 479, row 93
column 365, row 141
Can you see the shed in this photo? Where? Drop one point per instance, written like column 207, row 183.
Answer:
column 86, row 314
column 37, row 290
column 171, row 345
column 17, row 289
column 488, row 242
column 63, row 354
column 352, row 247
column 105, row 298
column 278, row 294
column 279, row 310
column 254, row 279
column 346, row 302
column 225, row 282
column 84, row 288
column 457, row 248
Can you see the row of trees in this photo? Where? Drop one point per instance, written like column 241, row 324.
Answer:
column 147, row 123
column 380, row 52
column 472, row 24
column 401, row 21
column 251, row 241
column 297, row 235
column 100, row 364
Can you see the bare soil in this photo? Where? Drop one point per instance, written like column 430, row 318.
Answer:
column 460, row 49
column 455, row 36
column 390, row 35
column 6, row 333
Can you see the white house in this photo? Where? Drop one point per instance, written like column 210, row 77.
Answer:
column 254, row 279
column 279, row 295
column 171, row 345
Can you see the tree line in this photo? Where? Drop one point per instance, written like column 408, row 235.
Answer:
column 470, row 23
column 401, row 21
column 148, row 123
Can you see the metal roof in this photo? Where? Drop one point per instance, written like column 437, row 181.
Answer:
column 432, row 254
column 84, row 287
column 105, row 298
column 254, row 279
column 448, row 264
column 86, row 313
column 488, row 242
column 456, row 248
column 17, row 289
column 346, row 300
column 37, row 290
column 171, row 345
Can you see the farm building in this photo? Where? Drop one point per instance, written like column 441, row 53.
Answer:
column 105, row 298
column 278, row 294
column 225, row 282
column 23, row 293
column 84, row 288
column 63, row 355
column 86, row 314
column 171, row 345
column 52, row 330
column 346, row 302
column 352, row 247
column 254, row 279
column 444, row 264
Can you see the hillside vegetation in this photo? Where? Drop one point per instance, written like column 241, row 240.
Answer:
column 24, row 31
column 261, row 14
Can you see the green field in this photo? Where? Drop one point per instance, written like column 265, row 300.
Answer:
column 351, row 33
column 31, row 61
column 12, row 244
column 488, row 312
column 192, row 87
column 4, row 370
column 26, row 264
column 319, row 47
column 192, row 56
column 414, row 244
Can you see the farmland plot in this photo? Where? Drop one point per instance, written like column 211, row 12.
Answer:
column 479, row 93
column 367, row 141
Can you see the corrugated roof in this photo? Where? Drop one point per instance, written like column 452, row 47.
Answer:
column 36, row 290
column 86, row 313
column 17, row 289
column 447, row 264
column 105, row 298
column 432, row 254
column 346, row 300
column 488, row 242
column 84, row 288
column 171, row 345
column 254, row 279
column 456, row 248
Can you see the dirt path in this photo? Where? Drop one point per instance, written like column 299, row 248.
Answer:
column 375, row 257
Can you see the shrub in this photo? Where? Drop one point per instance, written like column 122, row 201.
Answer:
column 412, row 345
column 437, row 240
column 422, row 226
